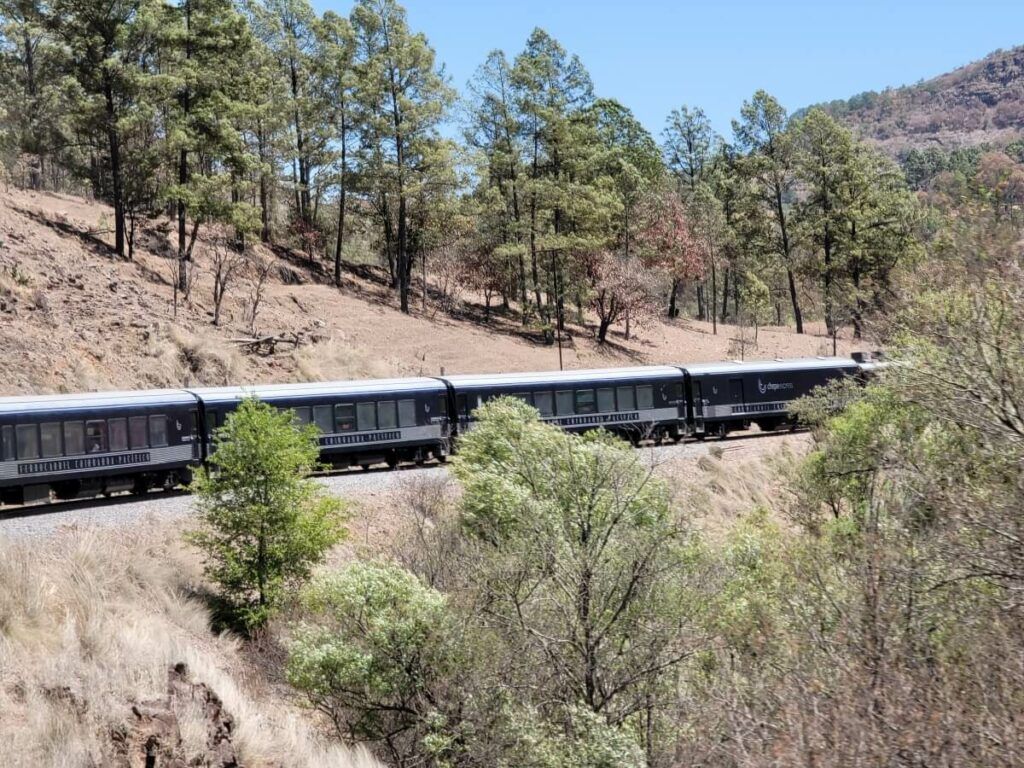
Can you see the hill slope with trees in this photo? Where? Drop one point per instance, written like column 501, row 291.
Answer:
column 979, row 103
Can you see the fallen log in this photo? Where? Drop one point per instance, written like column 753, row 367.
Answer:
column 267, row 345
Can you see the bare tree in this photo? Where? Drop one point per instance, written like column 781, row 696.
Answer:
column 259, row 273
column 622, row 290
column 227, row 263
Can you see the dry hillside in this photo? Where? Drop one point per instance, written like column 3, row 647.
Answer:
column 73, row 318
column 982, row 102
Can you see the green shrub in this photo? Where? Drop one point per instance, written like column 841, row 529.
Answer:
column 264, row 523
column 375, row 654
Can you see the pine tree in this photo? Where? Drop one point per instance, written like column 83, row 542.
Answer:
column 552, row 90
column 31, row 115
column 205, row 46
column 338, row 82
column 689, row 146
column 762, row 134
column 495, row 133
column 287, row 28
column 104, row 43
column 403, row 98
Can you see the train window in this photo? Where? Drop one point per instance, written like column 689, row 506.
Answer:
column 585, row 402
column 526, row 397
column 28, row 441
column 366, row 416
column 645, row 397
column 675, row 392
column 606, row 400
column 117, row 433
column 442, row 406
column 407, row 413
column 137, row 437
column 387, row 415
column 95, row 436
column 462, row 402
column 7, row 440
column 544, row 401
column 74, row 438
column 344, row 417
column 626, row 398
column 564, row 400
column 158, row 431
column 323, row 417
column 49, row 439
column 211, row 424
column 301, row 416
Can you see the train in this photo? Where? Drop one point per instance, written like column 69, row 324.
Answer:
column 75, row 446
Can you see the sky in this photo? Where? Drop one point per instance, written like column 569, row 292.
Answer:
column 656, row 55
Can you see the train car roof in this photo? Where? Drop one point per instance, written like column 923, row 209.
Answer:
column 93, row 400
column 555, row 377
column 769, row 366
column 317, row 389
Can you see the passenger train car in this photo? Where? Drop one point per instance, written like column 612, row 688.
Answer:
column 634, row 402
column 71, row 446
column 86, row 445
column 360, row 422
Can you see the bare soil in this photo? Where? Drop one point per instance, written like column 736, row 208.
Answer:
column 73, row 317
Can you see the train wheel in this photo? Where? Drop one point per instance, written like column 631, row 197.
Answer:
column 721, row 431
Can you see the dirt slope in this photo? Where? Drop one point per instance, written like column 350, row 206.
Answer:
column 72, row 318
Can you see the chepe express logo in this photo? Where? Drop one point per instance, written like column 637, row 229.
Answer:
column 772, row 386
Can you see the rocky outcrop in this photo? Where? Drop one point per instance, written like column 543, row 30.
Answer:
column 152, row 735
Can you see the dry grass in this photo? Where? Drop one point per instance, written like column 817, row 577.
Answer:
column 89, row 625
column 734, row 479
column 336, row 360
column 175, row 357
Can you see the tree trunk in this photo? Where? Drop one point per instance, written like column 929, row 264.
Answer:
column 342, row 192
column 725, row 294
column 117, row 182
column 35, row 172
column 401, row 262
column 673, row 311
column 265, row 228
column 714, row 299
column 182, row 256
column 780, row 213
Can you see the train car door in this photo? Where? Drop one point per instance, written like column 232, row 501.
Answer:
column 736, row 395
column 698, row 407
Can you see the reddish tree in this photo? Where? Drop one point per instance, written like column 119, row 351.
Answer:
column 622, row 288
column 667, row 241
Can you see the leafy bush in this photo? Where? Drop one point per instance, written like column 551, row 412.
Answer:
column 585, row 567
column 264, row 523
column 375, row 654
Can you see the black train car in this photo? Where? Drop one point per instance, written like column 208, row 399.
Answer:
column 634, row 402
column 723, row 397
column 91, row 444
column 361, row 422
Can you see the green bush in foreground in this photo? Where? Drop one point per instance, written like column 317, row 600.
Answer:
column 375, row 655
column 264, row 523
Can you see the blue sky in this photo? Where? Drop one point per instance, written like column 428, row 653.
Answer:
column 654, row 55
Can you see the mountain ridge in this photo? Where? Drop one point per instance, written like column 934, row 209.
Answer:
column 978, row 103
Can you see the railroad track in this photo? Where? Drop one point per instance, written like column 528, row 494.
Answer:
column 124, row 509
